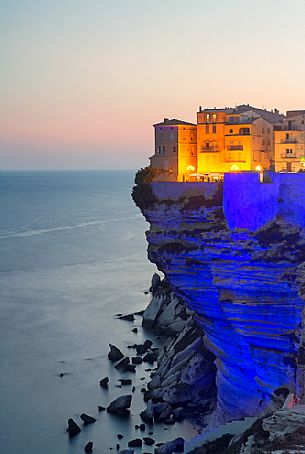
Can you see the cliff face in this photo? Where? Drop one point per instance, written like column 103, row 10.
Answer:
column 243, row 287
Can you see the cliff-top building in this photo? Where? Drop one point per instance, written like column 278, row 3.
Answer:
column 243, row 138
column 175, row 149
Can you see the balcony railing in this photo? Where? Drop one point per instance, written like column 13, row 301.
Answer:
column 294, row 155
column 209, row 149
column 235, row 147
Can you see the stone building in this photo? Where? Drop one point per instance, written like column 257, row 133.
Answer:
column 289, row 143
column 233, row 139
column 175, row 150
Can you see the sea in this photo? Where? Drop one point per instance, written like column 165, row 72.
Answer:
column 73, row 255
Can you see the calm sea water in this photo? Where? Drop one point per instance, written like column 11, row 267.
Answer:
column 73, row 254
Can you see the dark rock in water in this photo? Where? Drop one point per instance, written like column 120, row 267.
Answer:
column 89, row 447
column 139, row 313
column 131, row 368
column 134, row 330
column 100, row 408
column 162, row 411
column 142, row 427
column 121, row 404
column 117, row 446
column 133, row 389
column 137, row 442
column 143, row 348
column 123, row 364
column 179, row 413
column 87, row 419
column 125, row 381
column 149, row 441
column 73, row 429
column 120, row 436
column 150, row 433
column 127, row 451
column 115, row 353
column 170, row 447
column 150, row 358
column 148, row 344
column 136, row 360
column 128, row 317
column 104, row 382
column 148, row 414
column 136, row 426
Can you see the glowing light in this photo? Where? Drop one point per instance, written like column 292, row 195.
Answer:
column 234, row 168
column 190, row 168
column 258, row 168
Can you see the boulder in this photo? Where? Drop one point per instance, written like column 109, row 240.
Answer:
column 100, row 408
column 137, row 442
column 115, row 353
column 155, row 282
column 134, row 330
column 136, row 360
column 150, row 358
column 87, row 419
column 104, row 382
column 148, row 441
column 127, row 451
column 148, row 414
column 125, row 381
column 123, row 364
column 170, row 447
column 89, row 447
column 73, row 429
column 120, row 405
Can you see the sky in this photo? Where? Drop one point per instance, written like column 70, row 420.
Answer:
column 83, row 81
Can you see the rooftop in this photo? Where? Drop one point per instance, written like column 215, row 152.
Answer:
column 173, row 122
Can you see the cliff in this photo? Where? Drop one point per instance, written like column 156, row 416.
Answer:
column 242, row 284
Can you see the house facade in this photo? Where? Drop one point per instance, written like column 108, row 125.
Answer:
column 175, row 150
column 289, row 143
column 243, row 138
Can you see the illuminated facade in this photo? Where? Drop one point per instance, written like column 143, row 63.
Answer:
column 289, row 143
column 175, row 150
column 235, row 139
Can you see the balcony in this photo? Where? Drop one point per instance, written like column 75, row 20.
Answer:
column 289, row 141
column 235, row 147
column 293, row 155
column 209, row 149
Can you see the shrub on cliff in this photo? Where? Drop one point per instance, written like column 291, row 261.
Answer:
column 142, row 193
column 146, row 175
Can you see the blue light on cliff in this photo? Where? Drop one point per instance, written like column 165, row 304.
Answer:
column 241, row 290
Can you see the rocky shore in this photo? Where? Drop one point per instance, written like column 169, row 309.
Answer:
column 182, row 374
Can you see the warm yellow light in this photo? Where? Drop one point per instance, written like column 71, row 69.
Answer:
column 258, row 168
column 234, row 168
column 190, row 168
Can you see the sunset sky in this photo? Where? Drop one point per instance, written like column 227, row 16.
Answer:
column 82, row 81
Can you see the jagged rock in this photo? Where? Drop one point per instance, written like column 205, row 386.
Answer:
column 127, row 451
column 121, row 404
column 134, row 330
column 170, row 447
column 150, row 358
column 142, row 427
column 125, row 381
column 123, row 364
column 115, row 353
column 120, row 436
column 162, row 411
column 87, row 419
column 136, row 360
column 131, row 368
column 148, row 414
column 73, row 429
column 104, row 382
column 89, row 447
column 137, row 442
column 100, row 408
column 179, row 413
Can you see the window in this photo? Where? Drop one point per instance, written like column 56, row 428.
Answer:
column 159, row 150
column 208, row 117
column 207, row 144
column 287, row 135
column 268, row 130
column 207, row 129
column 214, row 129
column 163, row 150
column 214, row 117
column 231, row 131
column 174, row 149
